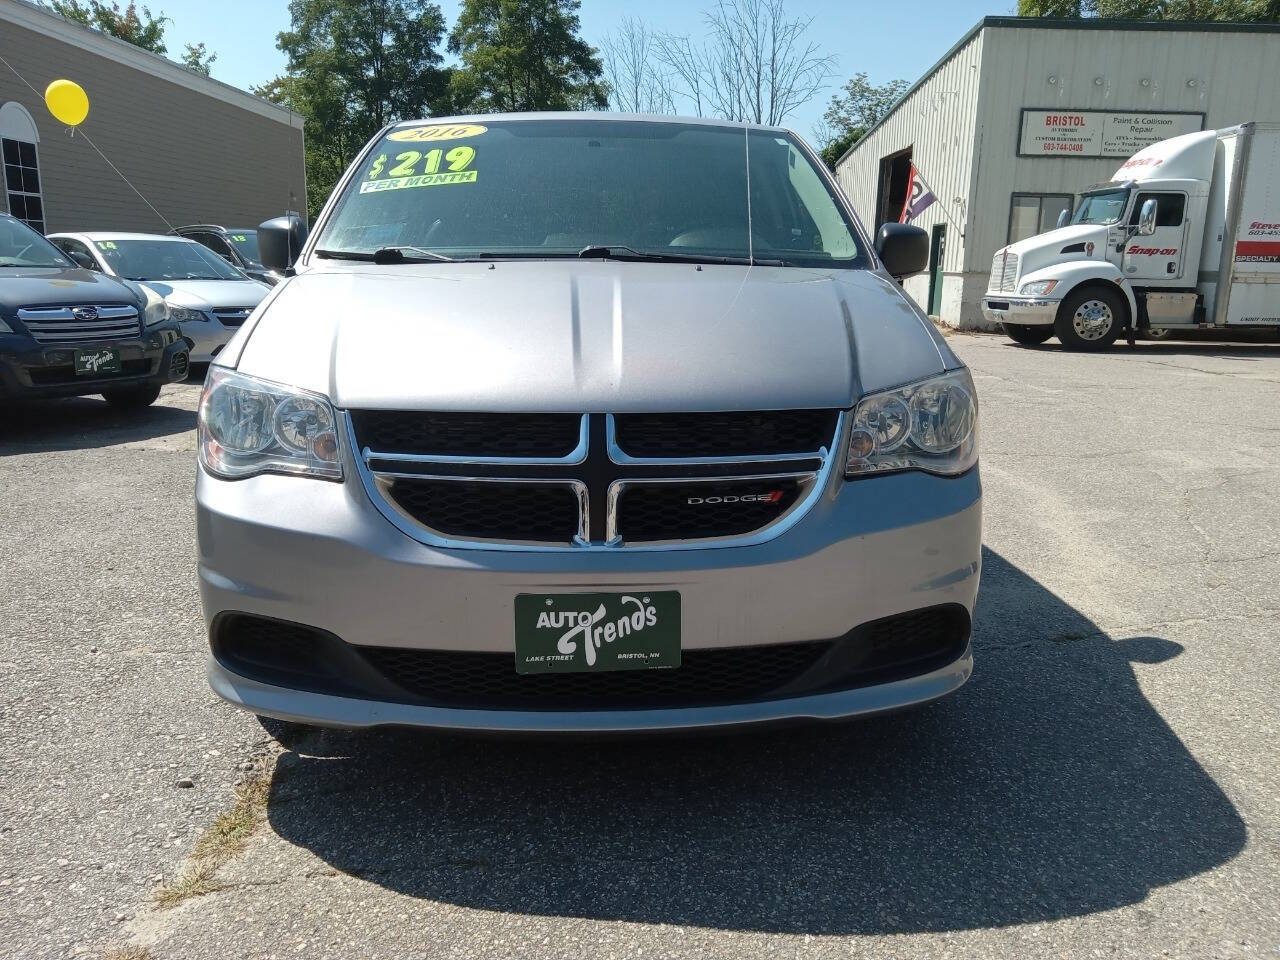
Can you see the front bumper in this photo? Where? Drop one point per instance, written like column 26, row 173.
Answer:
column 319, row 553
column 1027, row 311
column 30, row 370
column 207, row 337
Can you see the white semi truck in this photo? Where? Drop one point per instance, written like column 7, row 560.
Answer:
column 1185, row 236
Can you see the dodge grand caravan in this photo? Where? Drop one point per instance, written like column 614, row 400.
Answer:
column 566, row 422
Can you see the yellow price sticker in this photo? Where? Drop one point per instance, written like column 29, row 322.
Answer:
column 106, row 244
column 239, row 238
column 437, row 131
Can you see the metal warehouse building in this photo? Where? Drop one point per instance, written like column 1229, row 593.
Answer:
column 1023, row 113
column 200, row 151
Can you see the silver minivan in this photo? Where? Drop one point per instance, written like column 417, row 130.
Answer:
column 574, row 422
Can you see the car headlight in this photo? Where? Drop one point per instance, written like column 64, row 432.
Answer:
column 1037, row 288
column 930, row 426
column 156, row 311
column 248, row 426
column 183, row 315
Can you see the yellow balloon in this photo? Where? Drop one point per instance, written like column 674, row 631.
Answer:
column 67, row 101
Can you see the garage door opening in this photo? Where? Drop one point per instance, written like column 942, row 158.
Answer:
column 895, row 178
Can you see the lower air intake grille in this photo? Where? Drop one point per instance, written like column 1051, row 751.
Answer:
column 535, row 512
column 292, row 655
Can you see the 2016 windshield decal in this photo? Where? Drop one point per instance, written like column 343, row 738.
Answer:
column 586, row 627
column 402, row 171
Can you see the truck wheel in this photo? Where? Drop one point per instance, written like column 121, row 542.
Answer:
column 1090, row 319
column 133, row 398
column 1021, row 333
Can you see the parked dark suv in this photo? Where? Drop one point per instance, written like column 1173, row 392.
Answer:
column 239, row 247
column 66, row 331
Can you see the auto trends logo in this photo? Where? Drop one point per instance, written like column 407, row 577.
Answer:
column 586, row 626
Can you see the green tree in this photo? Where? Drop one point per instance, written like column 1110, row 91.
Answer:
column 143, row 30
column 525, row 55
column 1243, row 11
column 353, row 67
column 859, row 106
column 197, row 58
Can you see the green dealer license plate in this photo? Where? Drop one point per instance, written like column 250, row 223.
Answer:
column 589, row 632
column 91, row 362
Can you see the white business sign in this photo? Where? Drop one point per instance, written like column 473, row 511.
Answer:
column 1097, row 133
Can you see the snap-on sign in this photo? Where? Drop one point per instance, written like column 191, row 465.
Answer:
column 1153, row 251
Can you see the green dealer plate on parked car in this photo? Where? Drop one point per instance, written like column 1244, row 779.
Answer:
column 590, row 632
column 91, row 362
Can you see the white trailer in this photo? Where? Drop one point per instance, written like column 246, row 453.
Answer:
column 1185, row 236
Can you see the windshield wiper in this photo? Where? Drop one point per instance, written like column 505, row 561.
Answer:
column 617, row 251
column 387, row 255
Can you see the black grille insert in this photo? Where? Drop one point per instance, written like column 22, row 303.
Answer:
column 301, row 657
column 680, row 511
column 467, row 434
column 490, row 510
column 752, row 433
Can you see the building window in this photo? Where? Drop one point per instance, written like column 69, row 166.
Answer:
column 1032, row 213
column 21, row 162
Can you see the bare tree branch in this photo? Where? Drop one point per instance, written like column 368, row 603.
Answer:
column 755, row 64
column 634, row 68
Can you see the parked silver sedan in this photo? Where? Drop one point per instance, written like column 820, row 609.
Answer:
column 208, row 297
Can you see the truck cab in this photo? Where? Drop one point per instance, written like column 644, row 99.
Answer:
column 1140, row 252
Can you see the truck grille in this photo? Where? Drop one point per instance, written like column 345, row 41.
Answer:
column 581, row 481
column 80, row 323
column 1004, row 272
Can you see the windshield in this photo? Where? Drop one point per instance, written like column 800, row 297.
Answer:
column 547, row 188
column 20, row 246
column 246, row 244
column 1104, row 207
column 165, row 260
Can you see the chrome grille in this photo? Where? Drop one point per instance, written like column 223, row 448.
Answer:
column 1004, row 272
column 442, row 486
column 82, row 322
column 232, row 316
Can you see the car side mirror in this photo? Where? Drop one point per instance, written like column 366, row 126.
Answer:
column 903, row 249
column 1147, row 218
column 82, row 259
column 1062, row 218
column 280, row 241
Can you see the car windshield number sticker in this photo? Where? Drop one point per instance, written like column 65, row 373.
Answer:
column 414, row 168
column 106, row 244
column 437, row 131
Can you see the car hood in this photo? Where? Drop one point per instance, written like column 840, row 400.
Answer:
column 57, row 286
column 544, row 336
column 210, row 294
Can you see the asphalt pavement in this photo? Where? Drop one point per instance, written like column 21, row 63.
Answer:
column 1106, row 785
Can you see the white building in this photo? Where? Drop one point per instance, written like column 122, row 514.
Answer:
column 1023, row 113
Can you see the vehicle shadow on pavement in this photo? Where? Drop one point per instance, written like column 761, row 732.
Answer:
column 83, row 423
column 1048, row 787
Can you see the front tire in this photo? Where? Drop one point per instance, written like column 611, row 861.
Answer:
column 1027, row 335
column 1090, row 318
column 133, row 398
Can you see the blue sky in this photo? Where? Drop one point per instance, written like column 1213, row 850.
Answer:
column 887, row 40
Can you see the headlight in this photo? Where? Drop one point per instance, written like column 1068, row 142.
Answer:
column 248, row 426
column 183, row 315
column 930, row 426
column 156, row 310
column 1037, row 288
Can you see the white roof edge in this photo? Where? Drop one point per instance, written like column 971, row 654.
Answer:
column 46, row 22
column 591, row 115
